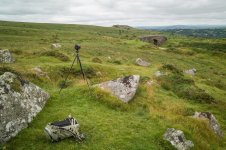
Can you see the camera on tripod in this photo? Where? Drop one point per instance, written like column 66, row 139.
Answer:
column 77, row 47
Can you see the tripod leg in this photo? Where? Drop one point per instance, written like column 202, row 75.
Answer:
column 67, row 75
column 83, row 73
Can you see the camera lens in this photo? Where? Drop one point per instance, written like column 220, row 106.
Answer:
column 77, row 47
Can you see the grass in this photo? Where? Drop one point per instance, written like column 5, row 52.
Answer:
column 106, row 122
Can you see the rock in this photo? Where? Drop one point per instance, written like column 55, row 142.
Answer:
column 177, row 139
column 99, row 74
column 155, row 39
column 20, row 101
column 150, row 83
column 56, row 45
column 6, row 56
column 158, row 73
column 123, row 88
column 97, row 60
column 214, row 125
column 38, row 71
column 141, row 62
column 190, row 71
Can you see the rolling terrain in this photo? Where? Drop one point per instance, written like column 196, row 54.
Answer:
column 107, row 122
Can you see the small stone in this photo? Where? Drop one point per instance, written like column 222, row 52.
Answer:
column 177, row 139
column 99, row 74
column 38, row 71
column 56, row 45
column 150, row 83
column 190, row 71
column 6, row 56
column 158, row 74
column 123, row 88
column 141, row 62
column 214, row 125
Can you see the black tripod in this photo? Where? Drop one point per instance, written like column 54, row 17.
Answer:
column 77, row 47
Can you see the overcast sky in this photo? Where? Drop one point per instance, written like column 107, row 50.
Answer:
column 109, row 12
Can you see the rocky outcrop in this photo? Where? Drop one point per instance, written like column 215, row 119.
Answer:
column 20, row 101
column 214, row 125
column 190, row 71
column 123, row 88
column 122, row 27
column 6, row 57
column 154, row 39
column 56, row 45
column 141, row 62
column 177, row 139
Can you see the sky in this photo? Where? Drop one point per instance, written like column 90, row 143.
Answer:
column 110, row 12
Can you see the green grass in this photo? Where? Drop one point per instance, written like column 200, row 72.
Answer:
column 107, row 122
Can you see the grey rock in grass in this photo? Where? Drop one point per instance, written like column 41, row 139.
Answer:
column 155, row 39
column 177, row 139
column 141, row 62
column 38, row 71
column 56, row 45
column 190, row 71
column 20, row 102
column 123, row 88
column 214, row 125
column 6, row 56
column 158, row 73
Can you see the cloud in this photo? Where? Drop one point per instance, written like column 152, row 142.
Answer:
column 108, row 12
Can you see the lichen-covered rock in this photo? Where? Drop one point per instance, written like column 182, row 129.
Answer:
column 155, row 39
column 6, row 56
column 56, row 45
column 20, row 101
column 141, row 62
column 214, row 125
column 177, row 139
column 190, row 71
column 123, row 88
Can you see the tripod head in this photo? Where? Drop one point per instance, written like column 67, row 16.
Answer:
column 77, row 47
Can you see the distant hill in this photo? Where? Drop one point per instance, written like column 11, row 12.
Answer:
column 182, row 27
column 204, row 31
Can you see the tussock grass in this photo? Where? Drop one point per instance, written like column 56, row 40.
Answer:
column 183, row 87
column 55, row 54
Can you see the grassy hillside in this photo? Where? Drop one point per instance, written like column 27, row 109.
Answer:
column 106, row 122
